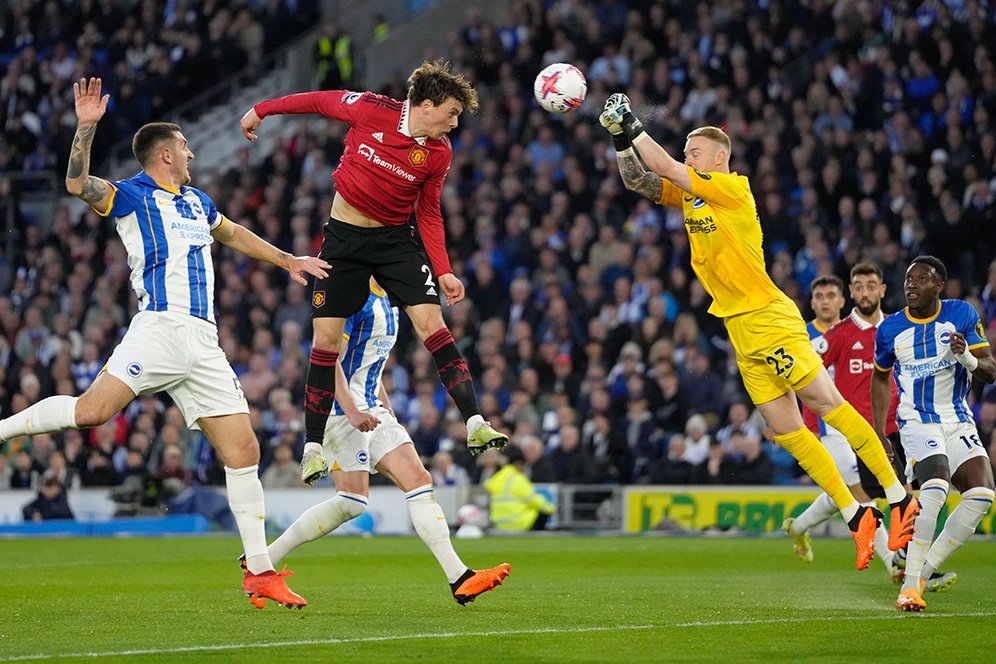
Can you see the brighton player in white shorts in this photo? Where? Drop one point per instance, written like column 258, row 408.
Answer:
column 362, row 437
column 167, row 228
column 935, row 348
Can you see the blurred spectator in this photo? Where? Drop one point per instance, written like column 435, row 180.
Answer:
column 446, row 473
column 283, row 472
column 571, row 464
column 51, row 502
column 538, row 467
column 26, row 471
column 697, row 440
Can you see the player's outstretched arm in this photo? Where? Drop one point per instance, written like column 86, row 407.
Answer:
column 617, row 110
column 245, row 241
column 90, row 108
column 637, row 178
column 979, row 360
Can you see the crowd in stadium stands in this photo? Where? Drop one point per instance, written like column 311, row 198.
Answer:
column 866, row 130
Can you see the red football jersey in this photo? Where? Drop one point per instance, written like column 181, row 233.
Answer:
column 851, row 351
column 385, row 173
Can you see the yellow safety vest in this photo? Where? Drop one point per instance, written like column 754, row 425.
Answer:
column 514, row 501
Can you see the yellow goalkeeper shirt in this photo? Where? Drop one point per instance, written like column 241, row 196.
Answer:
column 724, row 234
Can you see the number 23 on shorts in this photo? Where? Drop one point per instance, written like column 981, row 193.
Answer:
column 780, row 360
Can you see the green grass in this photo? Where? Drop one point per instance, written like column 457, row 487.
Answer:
column 569, row 599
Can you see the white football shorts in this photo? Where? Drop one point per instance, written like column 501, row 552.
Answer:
column 959, row 441
column 353, row 449
column 178, row 354
column 843, row 456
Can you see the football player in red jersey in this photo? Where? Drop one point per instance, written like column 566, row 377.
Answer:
column 396, row 158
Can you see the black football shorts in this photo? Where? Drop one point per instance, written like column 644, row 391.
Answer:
column 868, row 480
column 390, row 253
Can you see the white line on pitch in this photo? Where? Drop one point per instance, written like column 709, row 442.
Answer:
column 455, row 635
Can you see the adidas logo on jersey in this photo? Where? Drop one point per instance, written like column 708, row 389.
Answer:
column 857, row 346
column 431, row 290
column 379, row 135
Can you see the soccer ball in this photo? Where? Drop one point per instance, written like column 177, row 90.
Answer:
column 472, row 520
column 560, row 88
column 471, row 514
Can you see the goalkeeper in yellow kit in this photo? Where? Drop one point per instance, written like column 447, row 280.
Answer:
column 774, row 354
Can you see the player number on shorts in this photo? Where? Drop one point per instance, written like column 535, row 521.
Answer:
column 428, row 276
column 971, row 441
column 781, row 361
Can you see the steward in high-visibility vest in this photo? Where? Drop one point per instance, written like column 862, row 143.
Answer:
column 334, row 57
column 515, row 504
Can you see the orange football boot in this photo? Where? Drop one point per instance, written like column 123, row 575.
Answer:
column 271, row 585
column 863, row 526
column 901, row 519
column 474, row 582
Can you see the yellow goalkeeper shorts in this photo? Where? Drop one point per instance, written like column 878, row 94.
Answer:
column 774, row 353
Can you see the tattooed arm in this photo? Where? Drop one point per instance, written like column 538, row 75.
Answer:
column 637, row 178
column 90, row 107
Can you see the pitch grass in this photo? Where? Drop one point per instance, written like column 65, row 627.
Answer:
column 569, row 599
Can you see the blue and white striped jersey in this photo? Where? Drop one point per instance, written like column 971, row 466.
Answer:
column 370, row 335
column 167, row 234
column 933, row 385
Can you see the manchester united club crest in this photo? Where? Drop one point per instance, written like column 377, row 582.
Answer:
column 318, row 299
column 418, row 155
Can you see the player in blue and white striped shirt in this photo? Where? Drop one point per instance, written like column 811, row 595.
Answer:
column 934, row 348
column 172, row 343
column 363, row 437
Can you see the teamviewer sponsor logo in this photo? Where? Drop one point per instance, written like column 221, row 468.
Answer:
column 371, row 156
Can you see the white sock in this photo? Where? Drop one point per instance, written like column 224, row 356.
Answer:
column 56, row 413
column 960, row 525
column 818, row 511
column 894, row 493
column 430, row 524
column 933, row 495
column 318, row 521
column 882, row 542
column 245, row 499
column 474, row 423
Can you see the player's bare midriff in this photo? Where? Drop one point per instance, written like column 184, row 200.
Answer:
column 343, row 211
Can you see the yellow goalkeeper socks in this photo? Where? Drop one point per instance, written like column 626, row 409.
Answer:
column 866, row 444
column 818, row 464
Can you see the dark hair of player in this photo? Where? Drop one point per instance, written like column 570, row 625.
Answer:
column 436, row 82
column 149, row 136
column 828, row 280
column 942, row 272
column 866, row 268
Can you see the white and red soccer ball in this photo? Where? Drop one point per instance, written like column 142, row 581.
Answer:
column 560, row 88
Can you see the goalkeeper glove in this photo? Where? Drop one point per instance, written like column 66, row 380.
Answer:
column 618, row 111
column 619, row 138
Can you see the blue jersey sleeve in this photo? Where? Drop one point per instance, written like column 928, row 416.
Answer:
column 215, row 218
column 885, row 347
column 970, row 325
column 126, row 198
